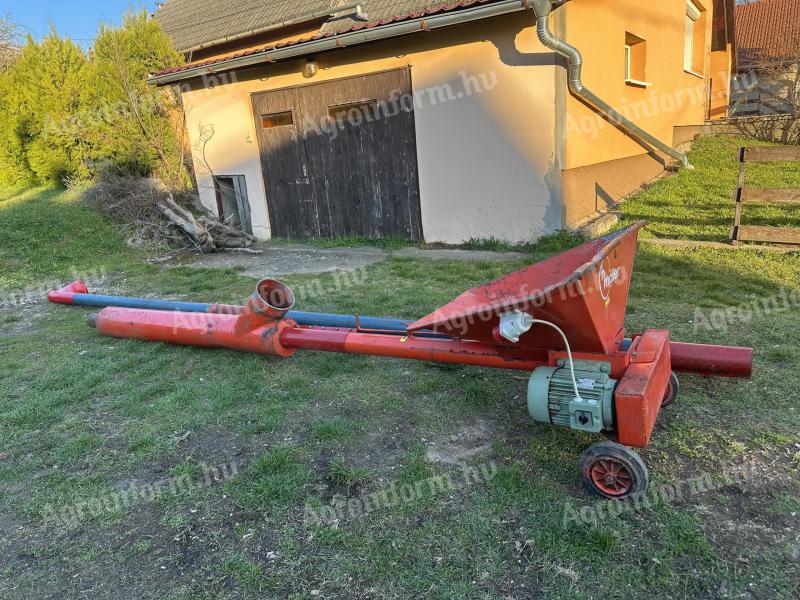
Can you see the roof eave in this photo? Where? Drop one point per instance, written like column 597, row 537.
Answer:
column 304, row 18
column 344, row 40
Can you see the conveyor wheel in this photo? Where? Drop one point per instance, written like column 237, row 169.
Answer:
column 613, row 471
column 673, row 390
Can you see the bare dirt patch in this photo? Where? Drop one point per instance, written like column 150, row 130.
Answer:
column 464, row 446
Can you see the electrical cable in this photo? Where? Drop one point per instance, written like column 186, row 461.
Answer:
column 569, row 354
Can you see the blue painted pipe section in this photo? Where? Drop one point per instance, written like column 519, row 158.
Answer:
column 302, row 318
column 347, row 321
column 143, row 303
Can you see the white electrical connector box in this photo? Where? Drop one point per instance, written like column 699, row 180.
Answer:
column 514, row 325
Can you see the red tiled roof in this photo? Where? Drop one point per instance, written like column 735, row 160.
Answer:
column 358, row 27
column 768, row 29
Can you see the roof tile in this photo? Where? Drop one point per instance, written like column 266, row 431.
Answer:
column 192, row 23
column 331, row 30
column 768, row 29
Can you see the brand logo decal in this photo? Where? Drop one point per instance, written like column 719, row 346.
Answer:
column 608, row 277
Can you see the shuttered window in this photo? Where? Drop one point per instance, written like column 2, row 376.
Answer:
column 693, row 28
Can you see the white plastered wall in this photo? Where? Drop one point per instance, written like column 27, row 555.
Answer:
column 485, row 112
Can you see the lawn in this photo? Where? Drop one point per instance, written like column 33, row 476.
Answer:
column 698, row 204
column 91, row 428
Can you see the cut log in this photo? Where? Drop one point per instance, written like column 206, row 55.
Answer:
column 226, row 236
column 186, row 222
column 206, row 233
column 222, row 228
column 232, row 243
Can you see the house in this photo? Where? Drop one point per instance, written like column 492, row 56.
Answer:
column 441, row 121
column 768, row 42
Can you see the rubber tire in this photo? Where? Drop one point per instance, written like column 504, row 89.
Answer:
column 630, row 459
column 673, row 390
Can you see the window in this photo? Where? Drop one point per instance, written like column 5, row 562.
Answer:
column 635, row 60
column 354, row 112
column 694, row 39
column 281, row 119
column 233, row 207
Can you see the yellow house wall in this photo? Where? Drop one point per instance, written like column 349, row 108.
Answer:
column 720, row 73
column 676, row 98
column 489, row 162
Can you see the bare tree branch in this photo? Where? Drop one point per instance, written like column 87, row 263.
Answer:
column 10, row 41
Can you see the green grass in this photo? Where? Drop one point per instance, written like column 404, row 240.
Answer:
column 48, row 234
column 491, row 244
column 83, row 416
column 273, row 482
column 347, row 476
column 698, row 204
column 333, row 431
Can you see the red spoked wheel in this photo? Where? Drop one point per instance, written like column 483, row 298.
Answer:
column 613, row 471
column 673, row 389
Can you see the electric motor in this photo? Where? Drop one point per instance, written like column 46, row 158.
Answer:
column 552, row 400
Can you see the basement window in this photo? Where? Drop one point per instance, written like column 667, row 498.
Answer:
column 281, row 119
column 635, row 61
column 233, row 207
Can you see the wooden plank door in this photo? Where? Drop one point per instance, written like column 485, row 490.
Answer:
column 360, row 156
column 293, row 212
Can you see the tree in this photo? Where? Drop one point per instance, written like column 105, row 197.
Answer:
column 13, row 167
column 66, row 115
column 136, row 126
column 40, row 92
column 774, row 71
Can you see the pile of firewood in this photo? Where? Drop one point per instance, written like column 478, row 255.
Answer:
column 205, row 233
column 151, row 214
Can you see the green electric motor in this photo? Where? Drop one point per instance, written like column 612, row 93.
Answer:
column 551, row 396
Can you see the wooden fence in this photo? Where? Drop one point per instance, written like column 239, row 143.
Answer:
column 745, row 195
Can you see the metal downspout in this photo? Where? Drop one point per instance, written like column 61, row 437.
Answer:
column 542, row 10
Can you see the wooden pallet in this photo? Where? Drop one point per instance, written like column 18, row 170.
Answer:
column 745, row 195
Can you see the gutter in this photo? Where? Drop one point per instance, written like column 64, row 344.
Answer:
column 542, row 10
column 346, row 40
column 328, row 12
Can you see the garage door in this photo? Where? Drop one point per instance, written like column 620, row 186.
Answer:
column 339, row 158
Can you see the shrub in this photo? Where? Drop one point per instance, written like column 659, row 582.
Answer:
column 43, row 86
column 132, row 123
column 67, row 115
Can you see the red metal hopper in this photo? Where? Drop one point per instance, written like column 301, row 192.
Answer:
column 584, row 291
